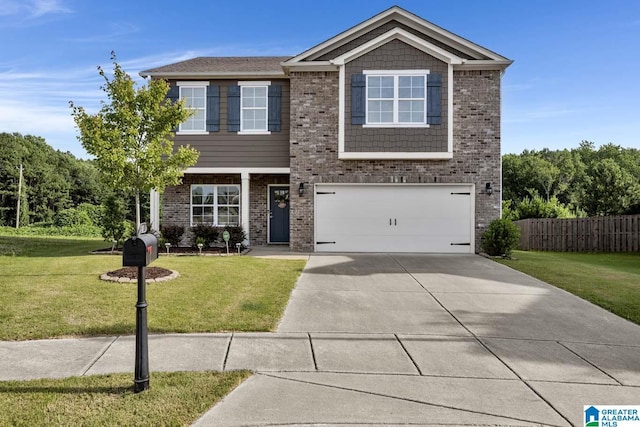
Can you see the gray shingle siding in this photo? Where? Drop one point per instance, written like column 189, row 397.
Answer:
column 396, row 55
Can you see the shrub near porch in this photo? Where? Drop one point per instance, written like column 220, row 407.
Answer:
column 50, row 288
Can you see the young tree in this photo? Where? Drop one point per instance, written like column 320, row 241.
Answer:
column 131, row 135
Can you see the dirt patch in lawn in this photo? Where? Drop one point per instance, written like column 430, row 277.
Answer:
column 130, row 274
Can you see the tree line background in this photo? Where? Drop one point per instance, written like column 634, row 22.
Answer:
column 577, row 182
column 63, row 192
column 60, row 193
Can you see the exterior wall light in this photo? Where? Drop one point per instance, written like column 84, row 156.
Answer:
column 301, row 188
column 488, row 188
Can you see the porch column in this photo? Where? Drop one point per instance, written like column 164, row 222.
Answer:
column 154, row 214
column 244, row 205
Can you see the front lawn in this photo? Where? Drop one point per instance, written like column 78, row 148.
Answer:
column 611, row 281
column 174, row 399
column 50, row 288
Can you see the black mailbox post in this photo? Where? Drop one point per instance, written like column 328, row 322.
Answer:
column 139, row 251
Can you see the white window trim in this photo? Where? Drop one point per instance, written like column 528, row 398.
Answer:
column 344, row 155
column 194, row 84
column 215, row 203
column 395, row 74
column 255, row 84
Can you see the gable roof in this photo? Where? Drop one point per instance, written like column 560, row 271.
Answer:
column 328, row 55
column 221, row 67
column 469, row 55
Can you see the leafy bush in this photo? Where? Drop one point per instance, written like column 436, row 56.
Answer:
column 202, row 232
column 500, row 238
column 172, row 233
column 114, row 225
column 85, row 214
column 537, row 207
column 46, row 229
column 236, row 235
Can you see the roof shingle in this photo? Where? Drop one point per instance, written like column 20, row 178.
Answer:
column 222, row 65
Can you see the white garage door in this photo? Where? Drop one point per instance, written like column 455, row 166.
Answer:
column 394, row 218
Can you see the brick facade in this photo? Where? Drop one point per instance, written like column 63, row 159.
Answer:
column 314, row 147
column 176, row 202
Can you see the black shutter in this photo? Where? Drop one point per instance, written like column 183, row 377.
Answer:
column 434, row 99
column 233, row 108
column 173, row 94
column 213, row 108
column 358, row 99
column 275, row 108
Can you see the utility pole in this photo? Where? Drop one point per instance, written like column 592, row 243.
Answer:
column 19, row 197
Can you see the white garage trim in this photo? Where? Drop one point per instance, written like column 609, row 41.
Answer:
column 437, row 218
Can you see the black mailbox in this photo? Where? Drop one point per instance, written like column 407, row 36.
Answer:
column 140, row 251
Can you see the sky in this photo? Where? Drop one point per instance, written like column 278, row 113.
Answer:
column 575, row 75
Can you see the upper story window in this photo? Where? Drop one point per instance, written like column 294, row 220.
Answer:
column 396, row 98
column 195, row 95
column 254, row 108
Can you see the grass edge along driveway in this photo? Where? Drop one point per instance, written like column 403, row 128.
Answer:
column 176, row 398
column 609, row 280
column 51, row 288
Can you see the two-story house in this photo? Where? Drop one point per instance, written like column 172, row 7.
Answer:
column 384, row 138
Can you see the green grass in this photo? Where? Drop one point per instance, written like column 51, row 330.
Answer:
column 50, row 288
column 173, row 399
column 611, row 281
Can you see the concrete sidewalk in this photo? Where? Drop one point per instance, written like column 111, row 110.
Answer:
column 392, row 339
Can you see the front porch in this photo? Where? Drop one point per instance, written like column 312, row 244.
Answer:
column 257, row 199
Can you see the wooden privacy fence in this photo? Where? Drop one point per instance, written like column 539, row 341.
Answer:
column 597, row 234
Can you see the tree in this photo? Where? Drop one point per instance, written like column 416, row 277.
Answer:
column 612, row 189
column 114, row 224
column 53, row 180
column 131, row 136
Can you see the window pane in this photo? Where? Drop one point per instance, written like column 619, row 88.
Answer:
column 386, row 117
column 373, row 84
column 380, row 87
column 417, row 87
column 411, row 87
column 260, row 94
column 254, row 108
column 386, row 87
column 247, row 97
column 249, row 114
column 411, row 111
column 380, row 111
column 196, row 195
column 260, row 114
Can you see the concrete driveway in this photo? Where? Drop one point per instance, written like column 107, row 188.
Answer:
column 433, row 339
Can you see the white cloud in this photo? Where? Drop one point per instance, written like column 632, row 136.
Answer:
column 47, row 7
column 9, row 7
column 116, row 31
column 32, row 8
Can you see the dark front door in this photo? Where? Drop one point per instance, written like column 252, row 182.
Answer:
column 279, row 214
